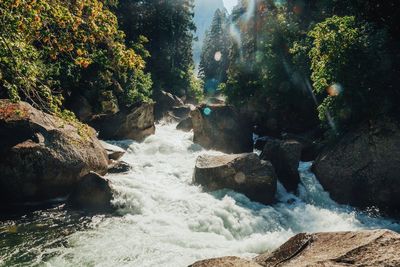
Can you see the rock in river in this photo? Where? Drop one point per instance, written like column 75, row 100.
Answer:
column 93, row 193
column 285, row 157
column 363, row 168
column 243, row 173
column 134, row 123
column 42, row 156
column 221, row 128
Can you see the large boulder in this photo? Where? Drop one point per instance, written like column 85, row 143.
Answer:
column 363, row 168
column 134, row 123
column 285, row 157
column 166, row 102
column 337, row 249
column 243, row 173
column 225, row 262
column 42, row 156
column 221, row 128
column 364, row 248
column 93, row 193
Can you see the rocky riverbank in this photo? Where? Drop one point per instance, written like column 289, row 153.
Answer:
column 364, row 248
column 55, row 158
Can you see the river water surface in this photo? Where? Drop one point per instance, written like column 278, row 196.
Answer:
column 164, row 220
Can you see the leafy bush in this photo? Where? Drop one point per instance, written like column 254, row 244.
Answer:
column 346, row 59
column 50, row 49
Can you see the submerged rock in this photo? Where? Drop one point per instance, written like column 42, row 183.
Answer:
column 285, row 157
column 113, row 152
column 134, row 123
column 243, row 173
column 93, row 193
column 364, row 248
column 363, row 168
column 221, row 128
column 225, row 262
column 42, row 156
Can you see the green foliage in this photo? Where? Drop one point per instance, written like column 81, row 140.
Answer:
column 345, row 59
column 51, row 49
column 169, row 27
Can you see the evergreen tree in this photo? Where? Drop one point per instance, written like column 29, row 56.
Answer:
column 169, row 27
column 215, row 53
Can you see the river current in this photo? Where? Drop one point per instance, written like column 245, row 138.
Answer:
column 164, row 220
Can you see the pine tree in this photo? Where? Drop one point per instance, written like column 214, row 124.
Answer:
column 214, row 59
column 169, row 27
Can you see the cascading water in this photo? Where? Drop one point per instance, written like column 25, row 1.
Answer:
column 164, row 220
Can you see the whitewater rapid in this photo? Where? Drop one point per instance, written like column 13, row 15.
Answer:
column 164, row 220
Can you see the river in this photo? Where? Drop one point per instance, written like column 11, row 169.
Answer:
column 164, row 220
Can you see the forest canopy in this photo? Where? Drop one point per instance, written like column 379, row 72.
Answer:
column 52, row 52
column 297, row 61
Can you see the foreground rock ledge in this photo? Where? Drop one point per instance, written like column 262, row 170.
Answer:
column 42, row 156
column 225, row 262
column 336, row 249
column 243, row 173
column 365, row 248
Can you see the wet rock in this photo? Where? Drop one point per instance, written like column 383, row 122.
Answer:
column 166, row 102
column 134, row 123
column 225, row 262
column 243, row 173
column 182, row 112
column 284, row 156
column 221, row 128
column 42, row 156
column 119, row 167
column 113, row 152
column 185, row 125
column 362, row 168
column 93, row 193
column 364, row 248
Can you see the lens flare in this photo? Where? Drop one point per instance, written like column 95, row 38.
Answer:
column 335, row 89
column 218, row 56
column 207, row 111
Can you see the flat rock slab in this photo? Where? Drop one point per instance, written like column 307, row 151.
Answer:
column 225, row 262
column 243, row 173
column 336, row 249
column 364, row 248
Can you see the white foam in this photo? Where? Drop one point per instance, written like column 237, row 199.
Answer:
column 166, row 221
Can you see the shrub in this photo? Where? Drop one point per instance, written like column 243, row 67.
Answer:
column 346, row 59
